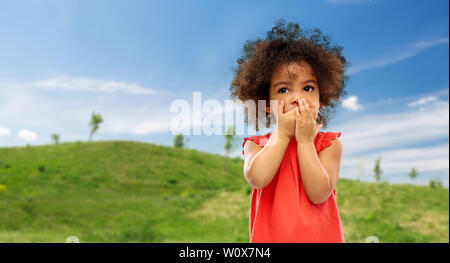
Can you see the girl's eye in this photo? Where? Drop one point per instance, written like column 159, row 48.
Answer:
column 312, row 88
column 282, row 90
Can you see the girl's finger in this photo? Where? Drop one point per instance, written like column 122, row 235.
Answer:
column 305, row 102
column 281, row 107
column 319, row 127
column 297, row 113
column 304, row 111
column 316, row 108
column 316, row 113
column 301, row 106
column 307, row 109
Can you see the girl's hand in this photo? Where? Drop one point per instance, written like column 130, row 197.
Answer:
column 286, row 121
column 306, row 127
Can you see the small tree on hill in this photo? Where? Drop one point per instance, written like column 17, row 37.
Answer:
column 96, row 119
column 413, row 173
column 55, row 138
column 377, row 170
column 230, row 134
column 178, row 140
column 435, row 183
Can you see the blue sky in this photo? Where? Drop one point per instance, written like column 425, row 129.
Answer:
column 129, row 60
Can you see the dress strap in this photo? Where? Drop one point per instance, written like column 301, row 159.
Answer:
column 258, row 139
column 255, row 139
column 326, row 139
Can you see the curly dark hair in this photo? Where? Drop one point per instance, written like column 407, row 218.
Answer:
column 285, row 44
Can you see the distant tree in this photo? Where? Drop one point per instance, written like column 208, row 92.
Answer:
column 96, row 119
column 55, row 138
column 230, row 134
column 178, row 141
column 434, row 183
column 377, row 170
column 413, row 173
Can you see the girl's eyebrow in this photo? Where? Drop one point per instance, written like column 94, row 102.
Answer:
column 287, row 83
column 282, row 83
column 309, row 80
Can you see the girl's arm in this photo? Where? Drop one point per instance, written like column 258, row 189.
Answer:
column 319, row 172
column 261, row 164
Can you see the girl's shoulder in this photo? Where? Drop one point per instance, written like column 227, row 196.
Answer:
column 324, row 139
column 260, row 140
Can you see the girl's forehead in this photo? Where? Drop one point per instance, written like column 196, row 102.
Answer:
column 292, row 70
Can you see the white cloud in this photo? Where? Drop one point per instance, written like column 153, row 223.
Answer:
column 4, row 131
column 403, row 159
column 92, row 85
column 423, row 101
column 430, row 43
column 396, row 164
column 389, row 59
column 396, row 129
column 25, row 105
column 143, row 122
column 423, row 158
column 395, row 136
column 135, row 125
column 351, row 103
column 27, row 135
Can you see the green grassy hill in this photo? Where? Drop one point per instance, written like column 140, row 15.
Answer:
column 121, row 191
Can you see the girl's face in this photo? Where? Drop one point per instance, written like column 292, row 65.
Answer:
column 293, row 81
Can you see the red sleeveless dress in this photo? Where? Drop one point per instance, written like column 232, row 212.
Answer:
column 281, row 212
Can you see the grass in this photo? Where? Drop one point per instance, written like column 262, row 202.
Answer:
column 122, row 191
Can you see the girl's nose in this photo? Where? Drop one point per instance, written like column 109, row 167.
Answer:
column 296, row 95
column 295, row 99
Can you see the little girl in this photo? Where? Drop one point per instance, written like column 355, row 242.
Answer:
column 293, row 170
